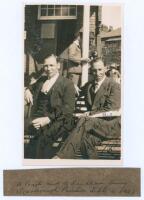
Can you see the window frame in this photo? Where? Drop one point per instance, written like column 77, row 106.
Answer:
column 55, row 17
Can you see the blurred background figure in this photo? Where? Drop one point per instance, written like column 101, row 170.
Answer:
column 92, row 47
column 114, row 72
column 74, row 57
column 75, row 62
column 93, row 55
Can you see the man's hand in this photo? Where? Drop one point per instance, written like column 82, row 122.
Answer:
column 85, row 60
column 28, row 96
column 40, row 122
column 77, row 89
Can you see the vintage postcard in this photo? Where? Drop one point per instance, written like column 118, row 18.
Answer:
column 72, row 82
column 76, row 71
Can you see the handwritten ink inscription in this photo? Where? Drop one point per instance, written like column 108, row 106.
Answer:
column 105, row 182
column 29, row 188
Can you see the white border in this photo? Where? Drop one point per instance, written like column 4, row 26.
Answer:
column 11, row 84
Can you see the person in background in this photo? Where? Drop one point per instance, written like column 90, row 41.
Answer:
column 93, row 55
column 92, row 47
column 114, row 73
column 75, row 61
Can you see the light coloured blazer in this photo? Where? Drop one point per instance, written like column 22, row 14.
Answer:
column 74, row 59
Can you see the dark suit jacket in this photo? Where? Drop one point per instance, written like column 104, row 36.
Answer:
column 60, row 108
column 90, row 131
column 74, row 56
column 107, row 97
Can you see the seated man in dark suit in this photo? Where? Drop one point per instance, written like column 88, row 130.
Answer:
column 101, row 122
column 53, row 99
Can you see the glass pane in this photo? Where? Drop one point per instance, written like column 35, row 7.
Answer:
column 72, row 6
column 72, row 12
column 65, row 6
column 50, row 12
column 57, row 6
column 57, row 12
column 43, row 12
column 43, row 6
column 64, row 11
column 50, row 6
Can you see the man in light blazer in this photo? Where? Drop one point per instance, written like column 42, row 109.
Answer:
column 53, row 99
column 74, row 60
column 101, row 122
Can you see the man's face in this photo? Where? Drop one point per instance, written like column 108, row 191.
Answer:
column 51, row 66
column 98, row 70
column 78, row 38
column 114, row 73
column 91, row 40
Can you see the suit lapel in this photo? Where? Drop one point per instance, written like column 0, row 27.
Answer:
column 89, row 94
column 57, row 82
column 40, row 84
column 100, row 92
column 54, row 88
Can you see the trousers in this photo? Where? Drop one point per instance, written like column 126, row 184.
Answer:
column 85, row 137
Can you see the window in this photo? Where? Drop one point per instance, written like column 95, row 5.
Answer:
column 48, row 31
column 46, row 12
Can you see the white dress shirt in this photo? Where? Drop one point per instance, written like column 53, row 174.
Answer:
column 77, row 43
column 49, row 83
column 98, row 84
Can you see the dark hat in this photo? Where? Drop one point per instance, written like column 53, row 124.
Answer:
column 114, row 66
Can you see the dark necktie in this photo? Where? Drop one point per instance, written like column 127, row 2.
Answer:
column 93, row 89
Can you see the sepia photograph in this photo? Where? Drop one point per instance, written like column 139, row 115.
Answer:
column 72, row 82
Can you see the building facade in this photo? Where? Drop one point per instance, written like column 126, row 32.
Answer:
column 51, row 29
column 111, row 46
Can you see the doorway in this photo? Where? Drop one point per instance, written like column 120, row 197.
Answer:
column 65, row 34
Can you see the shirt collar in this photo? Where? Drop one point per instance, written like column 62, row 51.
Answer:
column 54, row 77
column 49, row 83
column 77, row 42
